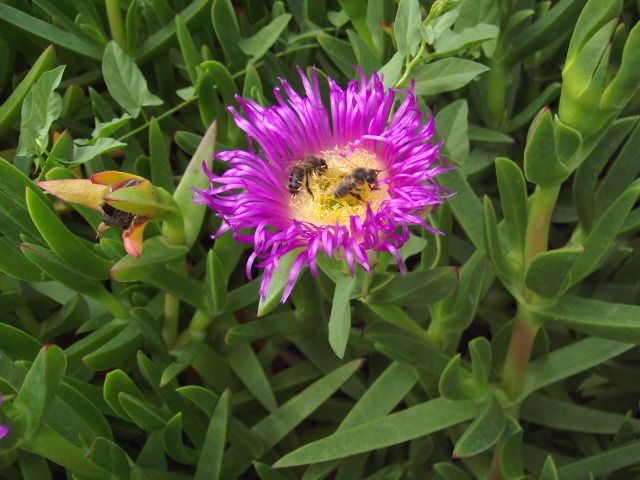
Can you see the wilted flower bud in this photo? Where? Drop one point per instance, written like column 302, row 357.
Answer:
column 125, row 200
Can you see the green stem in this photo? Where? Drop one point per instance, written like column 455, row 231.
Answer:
column 199, row 324
column 524, row 332
column 171, row 316
column 115, row 23
column 437, row 331
column 543, row 202
column 412, row 63
column 494, row 469
column 163, row 115
column 526, row 325
column 173, row 232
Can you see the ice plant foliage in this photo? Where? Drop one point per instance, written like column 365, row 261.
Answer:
column 333, row 213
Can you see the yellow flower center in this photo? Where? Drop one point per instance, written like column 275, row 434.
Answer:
column 335, row 195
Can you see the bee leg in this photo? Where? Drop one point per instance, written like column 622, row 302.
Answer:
column 309, row 188
column 357, row 195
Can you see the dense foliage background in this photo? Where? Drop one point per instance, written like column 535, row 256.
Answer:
column 508, row 351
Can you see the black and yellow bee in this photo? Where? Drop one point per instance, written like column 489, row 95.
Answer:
column 352, row 183
column 300, row 173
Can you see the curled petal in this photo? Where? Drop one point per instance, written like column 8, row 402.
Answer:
column 132, row 236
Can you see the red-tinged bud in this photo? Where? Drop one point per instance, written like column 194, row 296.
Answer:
column 125, row 200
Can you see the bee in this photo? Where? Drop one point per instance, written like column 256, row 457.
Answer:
column 300, row 173
column 352, row 183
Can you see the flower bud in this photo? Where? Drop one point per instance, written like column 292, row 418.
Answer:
column 125, row 200
column 597, row 85
column 550, row 153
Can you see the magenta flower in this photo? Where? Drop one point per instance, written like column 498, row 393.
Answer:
column 298, row 187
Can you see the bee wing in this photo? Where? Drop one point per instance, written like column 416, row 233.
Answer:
column 346, row 184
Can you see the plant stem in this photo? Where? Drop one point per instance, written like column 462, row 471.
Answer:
column 412, row 63
column 526, row 325
column 543, row 202
column 523, row 335
column 173, row 232
column 494, row 469
column 199, row 324
column 166, row 114
column 171, row 316
column 115, row 23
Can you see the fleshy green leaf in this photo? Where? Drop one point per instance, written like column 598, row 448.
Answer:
column 49, row 32
column 83, row 152
column 340, row 318
column 493, row 245
column 602, row 463
column 40, row 108
column 277, row 284
column 125, row 81
column 258, row 44
column 513, row 197
column 78, row 255
column 413, row 422
column 194, row 177
column 445, row 75
column 156, row 252
column 564, row 415
column 427, row 286
column 188, row 48
column 547, row 272
column 10, row 109
column 210, row 462
column 161, row 175
column 483, row 432
column 604, row 232
column 279, row 423
column 40, row 386
column 406, row 27
column 340, row 52
column 570, row 360
column 608, row 320
column 225, row 24
column 452, row 127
